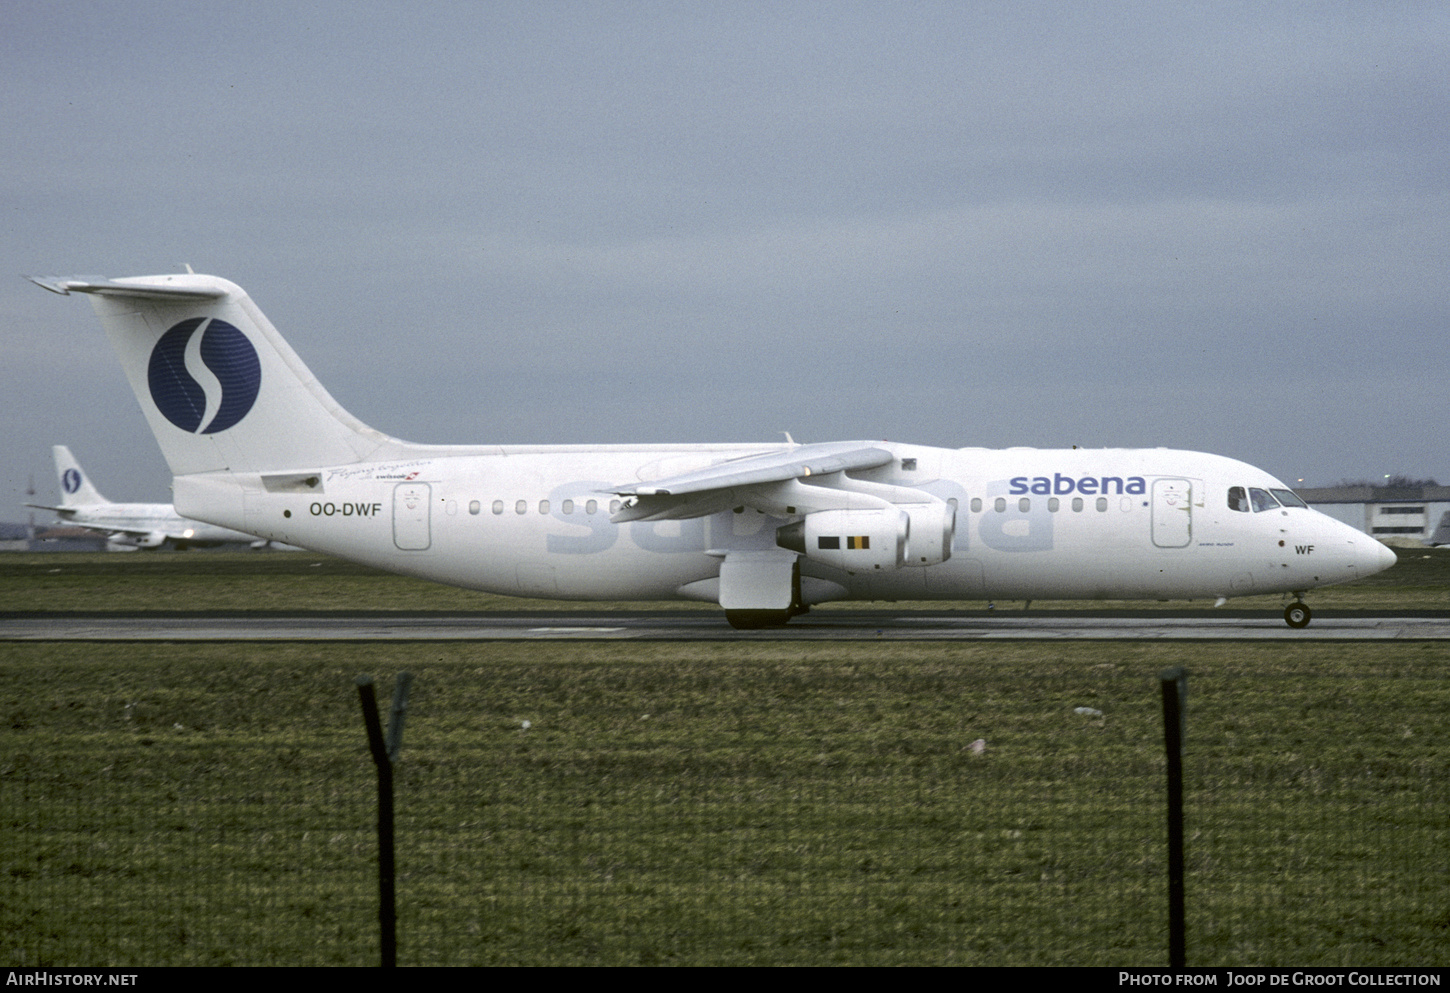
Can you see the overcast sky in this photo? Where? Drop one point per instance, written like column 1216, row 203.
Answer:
column 1213, row 226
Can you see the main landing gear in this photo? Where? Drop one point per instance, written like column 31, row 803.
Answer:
column 1298, row 614
column 759, row 620
column 756, row 620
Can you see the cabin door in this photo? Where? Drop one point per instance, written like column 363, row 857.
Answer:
column 1172, row 513
column 412, row 503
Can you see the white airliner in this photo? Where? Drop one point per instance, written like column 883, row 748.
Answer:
column 129, row 525
column 766, row 530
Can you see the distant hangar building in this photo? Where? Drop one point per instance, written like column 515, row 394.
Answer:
column 1397, row 515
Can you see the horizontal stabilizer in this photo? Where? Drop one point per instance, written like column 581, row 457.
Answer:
column 41, row 506
column 144, row 288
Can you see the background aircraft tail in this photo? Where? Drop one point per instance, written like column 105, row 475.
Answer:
column 76, row 489
column 219, row 386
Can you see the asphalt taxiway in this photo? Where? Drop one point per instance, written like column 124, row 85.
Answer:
column 688, row 625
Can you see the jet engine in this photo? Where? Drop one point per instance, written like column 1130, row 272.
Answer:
column 933, row 528
column 152, row 539
column 854, row 540
column 881, row 538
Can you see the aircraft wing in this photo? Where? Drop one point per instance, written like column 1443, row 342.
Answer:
column 122, row 529
column 754, row 480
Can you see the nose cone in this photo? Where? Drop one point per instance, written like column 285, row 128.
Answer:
column 1377, row 557
column 1345, row 553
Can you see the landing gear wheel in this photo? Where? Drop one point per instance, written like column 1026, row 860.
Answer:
column 1298, row 615
column 754, row 620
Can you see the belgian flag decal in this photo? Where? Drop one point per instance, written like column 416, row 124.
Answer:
column 854, row 541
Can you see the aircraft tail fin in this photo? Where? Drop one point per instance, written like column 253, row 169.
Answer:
column 219, row 386
column 76, row 488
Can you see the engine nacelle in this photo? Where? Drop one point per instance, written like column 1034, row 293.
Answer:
column 152, row 539
column 854, row 540
column 933, row 528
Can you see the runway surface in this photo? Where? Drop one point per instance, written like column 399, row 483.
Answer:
column 687, row 625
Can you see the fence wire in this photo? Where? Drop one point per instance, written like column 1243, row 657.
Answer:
column 712, row 831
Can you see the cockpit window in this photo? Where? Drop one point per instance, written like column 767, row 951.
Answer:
column 1261, row 500
column 1238, row 499
column 1289, row 498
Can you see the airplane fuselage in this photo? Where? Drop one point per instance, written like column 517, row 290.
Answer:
column 129, row 525
column 1030, row 524
column 147, row 525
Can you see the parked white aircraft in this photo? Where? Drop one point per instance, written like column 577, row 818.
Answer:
column 129, row 525
column 256, row 443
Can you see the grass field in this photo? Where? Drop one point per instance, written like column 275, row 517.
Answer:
column 760, row 803
column 305, row 581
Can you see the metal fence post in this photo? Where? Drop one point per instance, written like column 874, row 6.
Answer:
column 385, row 753
column 1175, row 698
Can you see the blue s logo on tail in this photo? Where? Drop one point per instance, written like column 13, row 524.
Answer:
column 70, row 480
column 225, row 353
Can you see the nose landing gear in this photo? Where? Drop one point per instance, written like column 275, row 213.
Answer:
column 1298, row 614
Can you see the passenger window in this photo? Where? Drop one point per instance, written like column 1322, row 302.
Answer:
column 614, row 506
column 1261, row 500
column 1000, row 505
column 1024, row 505
column 1053, row 504
column 522, row 507
column 1238, row 499
column 1077, row 505
column 544, row 507
column 1102, row 504
column 474, row 507
column 592, row 507
column 568, row 507
column 976, row 505
column 498, row 506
